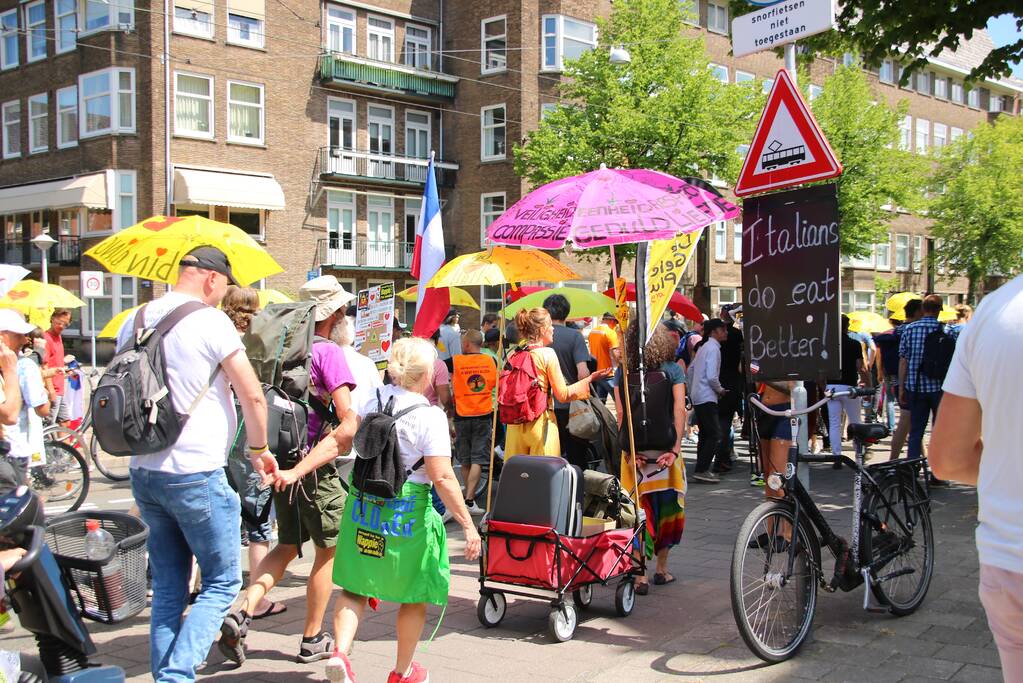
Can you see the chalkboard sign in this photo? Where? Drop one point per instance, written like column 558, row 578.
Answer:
column 790, row 283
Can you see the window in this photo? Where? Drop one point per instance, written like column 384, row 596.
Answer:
column 995, row 103
column 902, row 252
column 886, row 74
column 918, row 253
column 737, row 242
column 38, row 123
column 957, row 92
column 67, row 117
column 381, row 132
column 12, row 129
column 119, row 296
column 107, row 102
column 380, row 231
column 720, row 72
column 955, row 133
column 102, row 14
column 923, row 83
column 546, row 108
column 341, row 123
column 973, row 98
column 380, row 39
column 248, row 220
column 565, row 38
column 494, row 44
column 744, row 76
column 906, row 133
column 941, row 87
column 417, row 46
column 35, row 31
column 725, row 295
column 815, row 91
column 492, row 132
column 883, row 254
column 125, row 214
column 863, row 301
column 413, row 207
column 862, row 261
column 767, row 85
column 492, row 205
column 940, row 135
column 923, row 136
column 417, row 134
column 9, row 39
column 65, row 19
column 244, row 113
column 720, row 241
column 717, row 17
column 244, row 30
column 193, row 18
column 340, row 30
column 848, row 59
column 341, row 227
column 193, row 105
column 490, row 299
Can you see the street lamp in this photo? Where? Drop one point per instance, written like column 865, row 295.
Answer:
column 43, row 242
column 619, row 55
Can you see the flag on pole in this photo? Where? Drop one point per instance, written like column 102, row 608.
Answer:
column 427, row 258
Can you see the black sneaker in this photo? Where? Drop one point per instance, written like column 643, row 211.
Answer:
column 316, row 648
column 232, row 636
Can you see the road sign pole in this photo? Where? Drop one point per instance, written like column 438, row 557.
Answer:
column 92, row 325
column 790, row 61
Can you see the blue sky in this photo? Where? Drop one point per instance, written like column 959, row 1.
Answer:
column 1003, row 30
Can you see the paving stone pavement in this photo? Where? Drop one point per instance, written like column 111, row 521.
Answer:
column 680, row 632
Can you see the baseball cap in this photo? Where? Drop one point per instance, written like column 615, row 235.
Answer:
column 492, row 336
column 674, row 325
column 327, row 293
column 609, row 316
column 12, row 321
column 209, row 258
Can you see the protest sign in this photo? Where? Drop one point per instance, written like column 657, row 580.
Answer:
column 666, row 261
column 374, row 322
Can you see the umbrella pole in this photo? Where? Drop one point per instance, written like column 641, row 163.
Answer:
column 634, row 492
column 493, row 423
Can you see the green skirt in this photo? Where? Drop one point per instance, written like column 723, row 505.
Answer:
column 394, row 550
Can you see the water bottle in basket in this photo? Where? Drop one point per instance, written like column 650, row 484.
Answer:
column 108, row 584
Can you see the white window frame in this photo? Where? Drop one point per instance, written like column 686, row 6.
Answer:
column 60, row 46
column 59, row 111
column 259, row 235
column 8, row 61
column 257, row 35
column 954, row 134
column 922, row 138
column 125, row 187
column 558, row 37
column 744, row 76
column 192, row 26
column 486, row 51
column 719, row 300
column 37, row 146
column 343, row 24
column 713, row 8
column 484, row 129
column 419, row 127
column 720, row 241
column 546, row 108
column 957, row 93
column 863, row 261
column 114, row 92
column 720, row 72
column 766, row 86
column 995, row 103
column 8, row 120
column 918, row 253
column 262, row 113
column 886, row 73
column 380, row 34
column 341, row 202
column 901, row 238
column 923, row 82
column 342, row 116
column 866, row 296
column 35, row 36
column 112, row 290
column 488, row 217
column 382, row 121
column 939, row 132
column 940, row 92
column 424, row 46
column 413, row 207
column 210, row 106
column 490, row 304
column 117, row 14
column 737, row 242
column 814, row 91
column 885, row 248
column 906, row 133
column 973, row 98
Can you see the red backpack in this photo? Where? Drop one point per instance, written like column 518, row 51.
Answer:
column 520, row 398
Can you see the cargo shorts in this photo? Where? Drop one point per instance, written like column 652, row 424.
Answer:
column 472, row 440
column 312, row 512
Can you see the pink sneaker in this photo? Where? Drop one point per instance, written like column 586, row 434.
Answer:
column 417, row 674
column 339, row 669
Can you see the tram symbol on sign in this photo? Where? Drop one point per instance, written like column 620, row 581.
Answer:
column 782, row 157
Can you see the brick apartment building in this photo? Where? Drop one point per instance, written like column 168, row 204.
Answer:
column 309, row 125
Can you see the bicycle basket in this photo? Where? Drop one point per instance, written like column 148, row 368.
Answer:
column 108, row 591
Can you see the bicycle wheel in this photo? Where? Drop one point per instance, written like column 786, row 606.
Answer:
column 906, row 561
column 774, row 611
column 112, row 467
column 64, row 478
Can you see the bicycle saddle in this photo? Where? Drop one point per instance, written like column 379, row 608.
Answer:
column 871, row 432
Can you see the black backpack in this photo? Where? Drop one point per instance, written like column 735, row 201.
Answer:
column 379, row 470
column 132, row 410
column 939, row 347
column 653, row 424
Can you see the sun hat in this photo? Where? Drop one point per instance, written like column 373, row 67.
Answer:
column 12, row 321
column 327, row 293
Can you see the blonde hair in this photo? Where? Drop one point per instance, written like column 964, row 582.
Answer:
column 531, row 322
column 963, row 311
column 411, row 361
column 240, row 304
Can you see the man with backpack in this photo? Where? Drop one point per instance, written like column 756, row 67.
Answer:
column 309, row 498
column 181, row 489
column 926, row 348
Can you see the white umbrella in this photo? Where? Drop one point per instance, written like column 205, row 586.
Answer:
column 10, row 276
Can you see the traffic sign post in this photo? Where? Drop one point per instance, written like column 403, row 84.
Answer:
column 91, row 286
column 780, row 24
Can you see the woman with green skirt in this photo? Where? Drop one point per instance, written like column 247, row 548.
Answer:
column 396, row 550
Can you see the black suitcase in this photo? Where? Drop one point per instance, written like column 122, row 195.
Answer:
column 540, row 490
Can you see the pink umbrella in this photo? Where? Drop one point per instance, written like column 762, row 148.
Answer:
column 608, row 207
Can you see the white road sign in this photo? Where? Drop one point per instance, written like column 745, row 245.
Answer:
column 92, row 283
column 784, row 22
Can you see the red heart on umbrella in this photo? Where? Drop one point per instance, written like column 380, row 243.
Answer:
column 133, row 241
column 158, row 225
column 161, row 251
column 17, row 295
column 384, row 345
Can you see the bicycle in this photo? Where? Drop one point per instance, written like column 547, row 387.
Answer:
column 776, row 563
column 63, row 476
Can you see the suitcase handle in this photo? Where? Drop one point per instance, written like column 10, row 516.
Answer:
column 529, row 553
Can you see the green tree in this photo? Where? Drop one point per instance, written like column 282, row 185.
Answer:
column 864, row 133
column 664, row 110
column 978, row 213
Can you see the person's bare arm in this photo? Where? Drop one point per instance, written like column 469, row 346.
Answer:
column 903, row 370
column 956, row 444
column 11, row 406
column 566, row 393
column 250, row 395
column 444, row 398
column 450, row 491
column 328, row 448
column 619, row 408
column 582, row 369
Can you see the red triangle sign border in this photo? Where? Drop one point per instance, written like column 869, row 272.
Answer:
column 824, row 164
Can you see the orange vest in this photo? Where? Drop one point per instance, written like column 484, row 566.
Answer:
column 473, row 383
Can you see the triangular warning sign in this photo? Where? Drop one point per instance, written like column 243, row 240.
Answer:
column 788, row 147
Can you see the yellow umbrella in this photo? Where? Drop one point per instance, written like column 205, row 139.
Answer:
column 868, row 321
column 459, row 297
column 947, row 315
column 36, row 301
column 501, row 265
column 897, row 302
column 152, row 249
column 272, row 296
column 111, row 329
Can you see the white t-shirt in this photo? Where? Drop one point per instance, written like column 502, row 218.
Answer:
column 421, row 433
column 26, row 436
column 193, row 349
column 367, row 377
column 986, row 367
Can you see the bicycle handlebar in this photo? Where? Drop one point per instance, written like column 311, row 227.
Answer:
column 36, row 539
column 854, row 392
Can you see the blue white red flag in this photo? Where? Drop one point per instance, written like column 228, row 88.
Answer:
column 433, row 304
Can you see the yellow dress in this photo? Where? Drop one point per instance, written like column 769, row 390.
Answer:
column 541, row 436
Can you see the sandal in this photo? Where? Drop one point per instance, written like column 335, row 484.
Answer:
column 663, row 579
column 642, row 588
column 274, row 609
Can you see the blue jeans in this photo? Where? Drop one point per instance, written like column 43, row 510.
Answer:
column 891, row 398
column 922, row 407
column 188, row 514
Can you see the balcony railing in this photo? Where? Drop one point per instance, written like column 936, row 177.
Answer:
column 65, row 252
column 383, row 168
column 366, row 74
column 357, row 252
